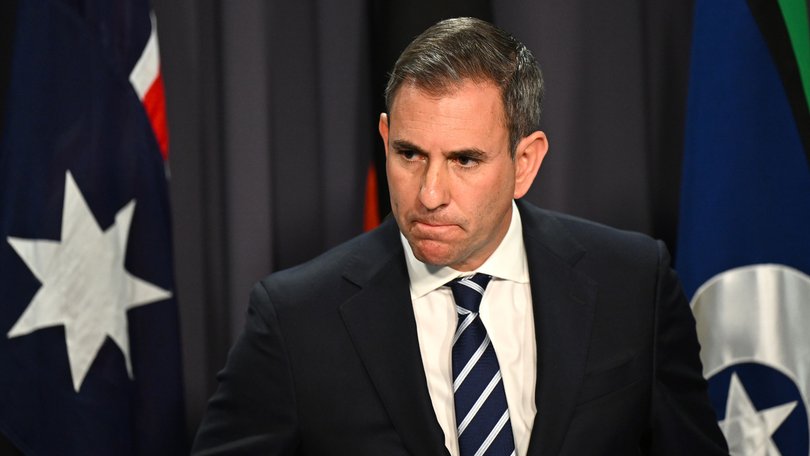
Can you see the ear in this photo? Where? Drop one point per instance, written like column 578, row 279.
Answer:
column 529, row 155
column 383, row 127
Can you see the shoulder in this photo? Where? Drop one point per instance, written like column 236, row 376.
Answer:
column 337, row 271
column 556, row 227
column 575, row 239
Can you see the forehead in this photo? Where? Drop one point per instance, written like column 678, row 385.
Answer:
column 445, row 88
column 470, row 108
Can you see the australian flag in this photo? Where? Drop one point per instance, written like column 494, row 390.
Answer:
column 89, row 338
column 744, row 236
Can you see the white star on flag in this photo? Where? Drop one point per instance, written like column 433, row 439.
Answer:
column 748, row 430
column 84, row 284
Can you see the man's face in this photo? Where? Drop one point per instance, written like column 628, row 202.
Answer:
column 450, row 174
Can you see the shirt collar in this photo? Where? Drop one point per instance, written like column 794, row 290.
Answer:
column 507, row 262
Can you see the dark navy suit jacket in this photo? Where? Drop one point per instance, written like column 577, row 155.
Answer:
column 329, row 362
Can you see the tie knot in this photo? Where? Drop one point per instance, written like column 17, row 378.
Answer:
column 467, row 291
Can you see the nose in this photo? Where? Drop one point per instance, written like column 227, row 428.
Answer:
column 435, row 191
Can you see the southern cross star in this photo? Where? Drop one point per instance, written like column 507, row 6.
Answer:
column 747, row 429
column 84, row 284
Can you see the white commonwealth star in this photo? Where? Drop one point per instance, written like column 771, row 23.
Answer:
column 747, row 430
column 84, row 284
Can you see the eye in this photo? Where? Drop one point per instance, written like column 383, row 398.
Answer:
column 466, row 161
column 408, row 155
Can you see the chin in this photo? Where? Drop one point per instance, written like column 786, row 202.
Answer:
column 433, row 253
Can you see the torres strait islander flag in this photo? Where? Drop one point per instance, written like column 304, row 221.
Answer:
column 89, row 337
column 744, row 236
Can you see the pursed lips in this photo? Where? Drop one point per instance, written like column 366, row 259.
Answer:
column 432, row 227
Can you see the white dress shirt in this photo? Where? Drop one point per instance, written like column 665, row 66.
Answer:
column 506, row 311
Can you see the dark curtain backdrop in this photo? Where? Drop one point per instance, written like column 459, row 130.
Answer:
column 273, row 109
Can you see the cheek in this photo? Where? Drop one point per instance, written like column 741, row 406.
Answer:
column 393, row 178
column 491, row 191
column 401, row 182
column 398, row 188
column 489, row 202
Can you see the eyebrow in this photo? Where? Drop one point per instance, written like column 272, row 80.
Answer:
column 401, row 144
column 472, row 152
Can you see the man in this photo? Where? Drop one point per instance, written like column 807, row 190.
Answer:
column 582, row 342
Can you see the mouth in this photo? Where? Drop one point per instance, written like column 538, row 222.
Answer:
column 432, row 223
column 430, row 228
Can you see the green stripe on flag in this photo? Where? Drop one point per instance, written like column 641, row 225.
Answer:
column 795, row 14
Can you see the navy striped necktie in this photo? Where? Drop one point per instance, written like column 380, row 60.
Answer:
column 482, row 416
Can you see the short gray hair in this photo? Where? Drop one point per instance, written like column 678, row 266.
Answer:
column 459, row 49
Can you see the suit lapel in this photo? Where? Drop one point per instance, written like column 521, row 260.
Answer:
column 563, row 302
column 381, row 324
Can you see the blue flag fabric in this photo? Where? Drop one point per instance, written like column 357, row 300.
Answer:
column 89, row 336
column 744, row 235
